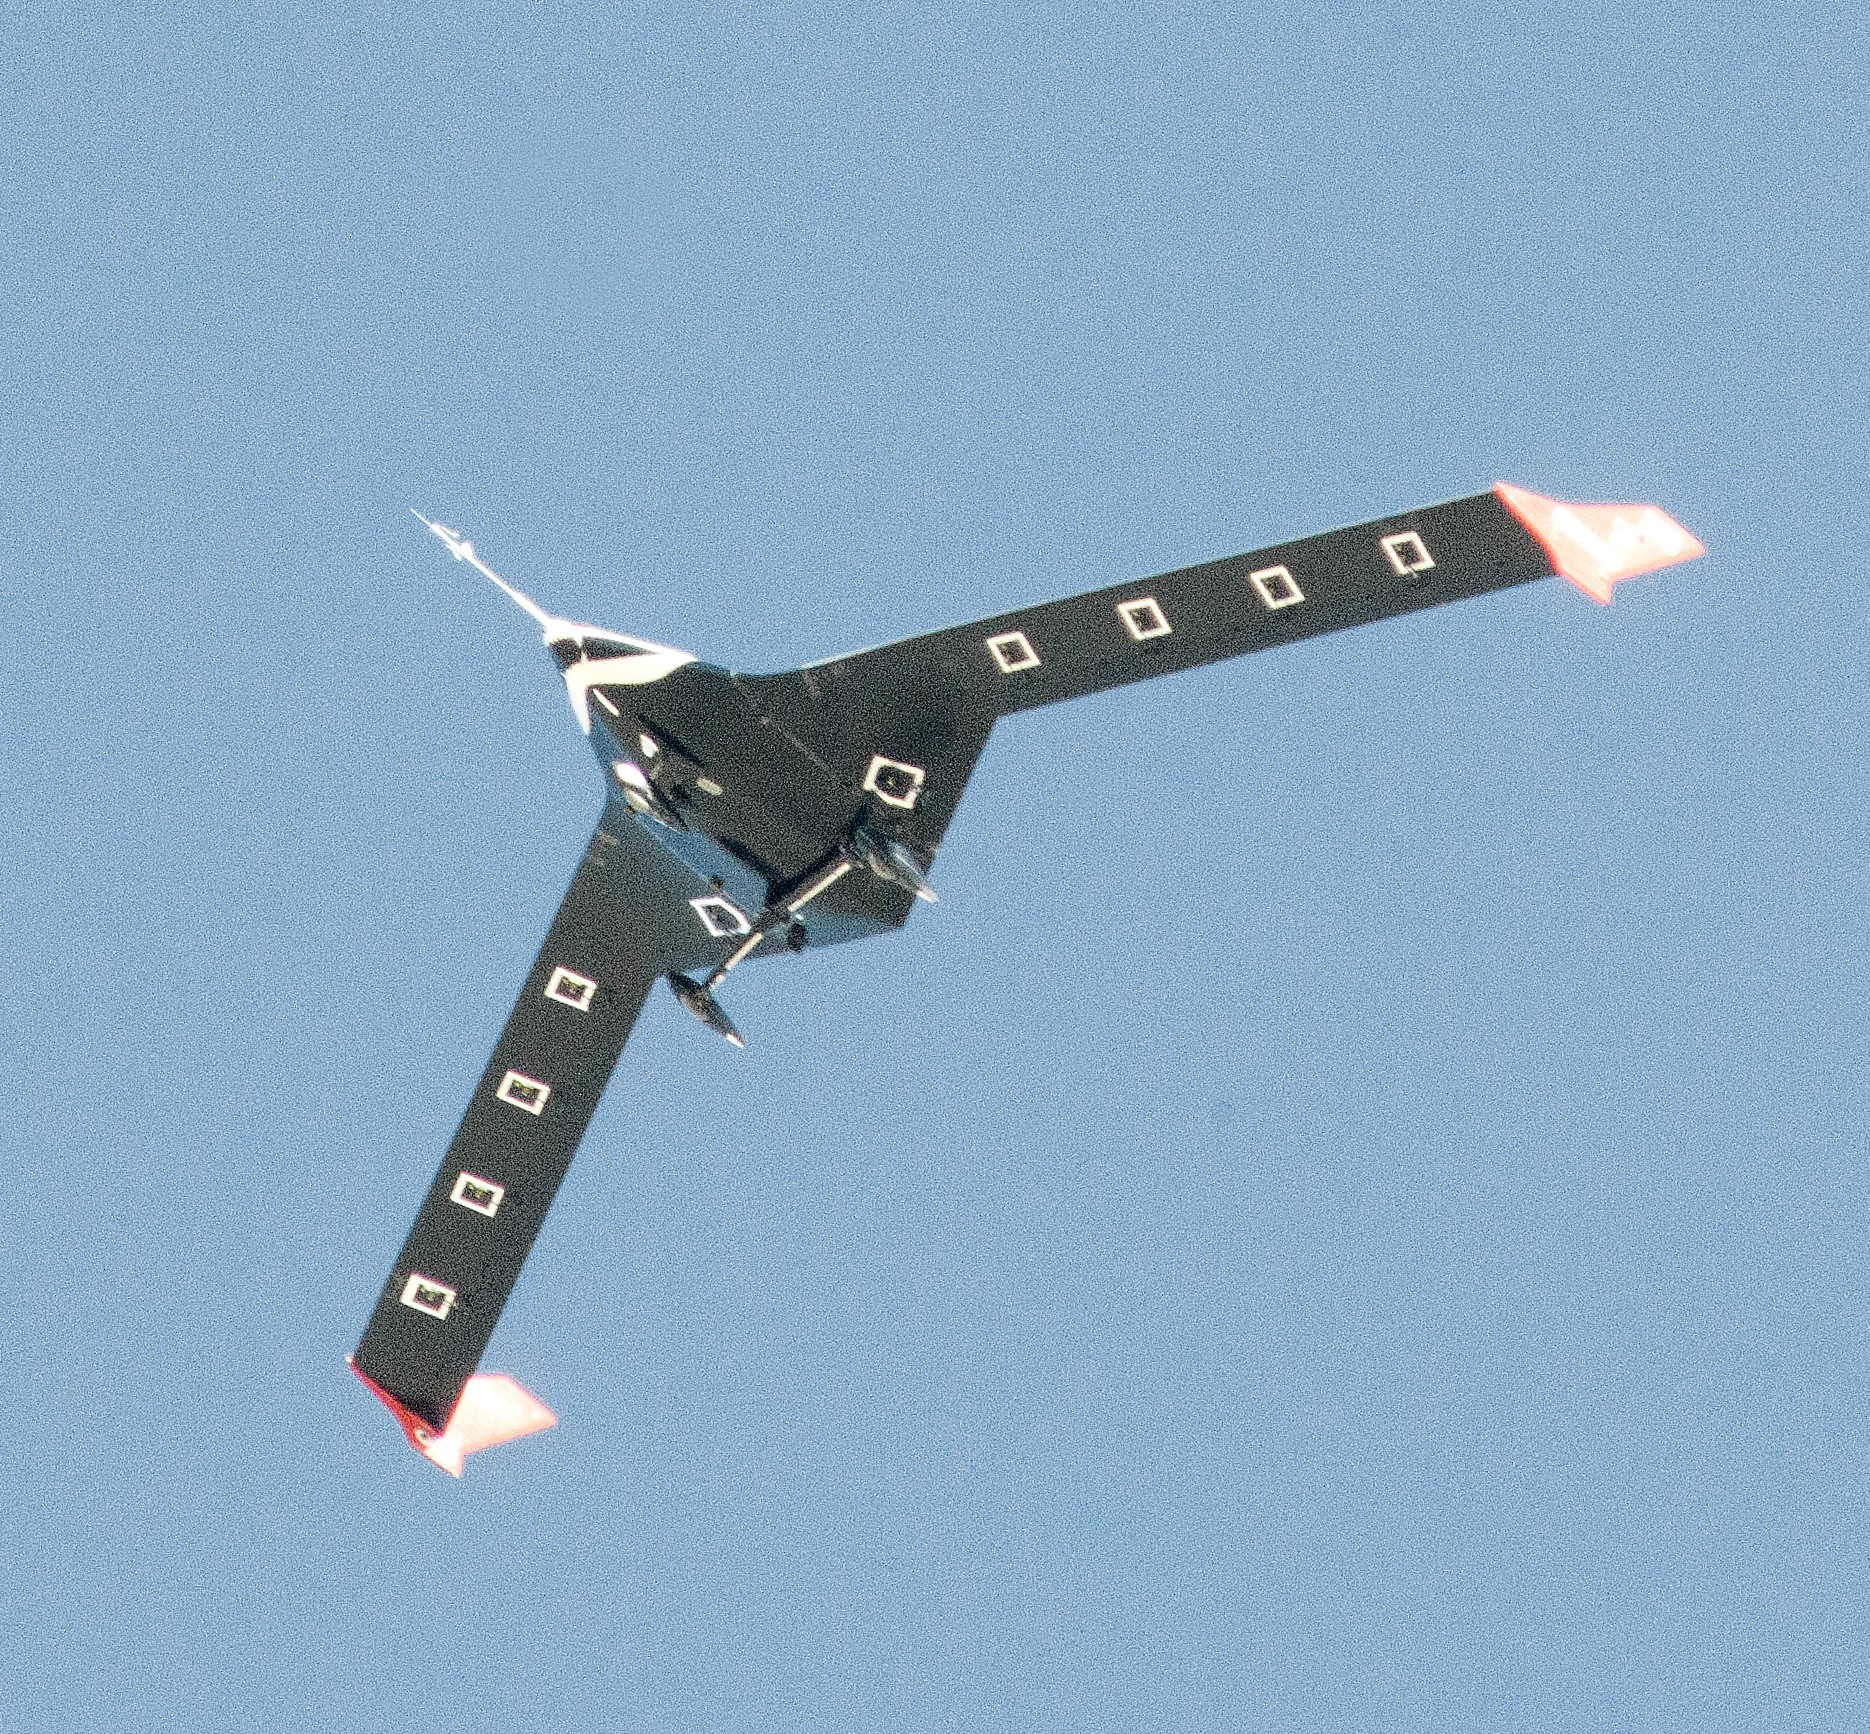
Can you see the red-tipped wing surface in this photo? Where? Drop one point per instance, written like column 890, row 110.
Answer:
column 1597, row 547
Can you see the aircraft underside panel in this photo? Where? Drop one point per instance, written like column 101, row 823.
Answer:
column 626, row 919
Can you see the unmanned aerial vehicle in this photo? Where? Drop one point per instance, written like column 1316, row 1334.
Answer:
column 754, row 816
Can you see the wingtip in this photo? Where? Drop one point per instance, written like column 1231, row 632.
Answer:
column 1597, row 547
column 493, row 1410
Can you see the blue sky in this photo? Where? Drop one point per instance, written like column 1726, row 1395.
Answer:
column 1349, row 1214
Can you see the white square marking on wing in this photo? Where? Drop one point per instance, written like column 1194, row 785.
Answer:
column 1408, row 554
column 570, row 988
column 474, row 1193
column 722, row 919
column 1144, row 619
column 894, row 783
column 1276, row 586
column 1013, row 651
column 427, row 1295
column 526, row 1094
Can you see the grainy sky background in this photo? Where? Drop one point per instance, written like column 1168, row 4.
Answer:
column 1349, row 1215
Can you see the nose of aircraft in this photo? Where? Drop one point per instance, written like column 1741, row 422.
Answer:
column 587, row 656
column 591, row 657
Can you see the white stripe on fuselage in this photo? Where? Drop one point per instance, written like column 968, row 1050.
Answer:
column 640, row 670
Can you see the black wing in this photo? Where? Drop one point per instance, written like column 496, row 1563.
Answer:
column 901, row 727
column 624, row 921
column 887, row 738
column 969, row 675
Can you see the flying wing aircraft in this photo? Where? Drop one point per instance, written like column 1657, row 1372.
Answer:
column 751, row 816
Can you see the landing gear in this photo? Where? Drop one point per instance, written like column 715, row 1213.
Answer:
column 893, row 861
column 883, row 856
column 699, row 1002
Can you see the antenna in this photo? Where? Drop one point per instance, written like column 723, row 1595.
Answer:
column 462, row 549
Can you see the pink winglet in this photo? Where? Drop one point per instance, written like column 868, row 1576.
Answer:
column 492, row 1410
column 1597, row 547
